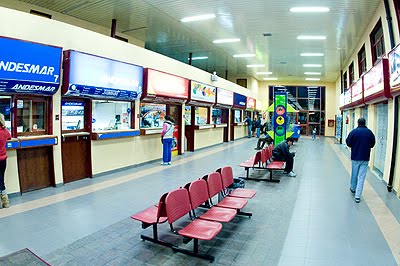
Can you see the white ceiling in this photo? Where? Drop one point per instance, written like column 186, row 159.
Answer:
column 157, row 23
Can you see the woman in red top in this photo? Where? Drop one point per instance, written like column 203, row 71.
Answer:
column 4, row 136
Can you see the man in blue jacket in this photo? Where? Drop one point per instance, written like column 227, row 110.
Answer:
column 361, row 140
column 281, row 153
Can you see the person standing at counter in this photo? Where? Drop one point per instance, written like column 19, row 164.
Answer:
column 249, row 125
column 166, row 137
column 4, row 136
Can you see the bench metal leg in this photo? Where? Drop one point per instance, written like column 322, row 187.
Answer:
column 195, row 252
column 249, row 214
column 155, row 238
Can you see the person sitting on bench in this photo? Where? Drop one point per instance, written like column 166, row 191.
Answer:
column 281, row 153
column 264, row 138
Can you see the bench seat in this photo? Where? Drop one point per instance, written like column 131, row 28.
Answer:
column 243, row 193
column 149, row 216
column 201, row 229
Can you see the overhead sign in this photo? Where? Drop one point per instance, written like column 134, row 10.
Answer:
column 27, row 67
column 202, row 92
column 251, row 103
column 341, row 100
column 99, row 77
column 357, row 91
column 167, row 85
column 373, row 80
column 394, row 66
column 347, row 97
column 224, row 97
column 239, row 101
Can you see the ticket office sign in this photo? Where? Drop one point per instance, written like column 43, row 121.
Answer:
column 280, row 113
column 357, row 91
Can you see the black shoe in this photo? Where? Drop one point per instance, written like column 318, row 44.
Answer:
column 285, row 173
column 257, row 149
column 352, row 191
column 357, row 200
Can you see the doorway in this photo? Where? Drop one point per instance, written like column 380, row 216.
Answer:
column 381, row 138
column 175, row 111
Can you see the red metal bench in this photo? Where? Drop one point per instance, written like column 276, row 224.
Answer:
column 177, row 204
column 227, row 180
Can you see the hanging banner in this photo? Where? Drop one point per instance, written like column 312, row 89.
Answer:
column 97, row 77
column 239, row 101
column 377, row 83
column 29, row 68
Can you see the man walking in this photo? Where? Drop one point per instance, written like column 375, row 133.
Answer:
column 361, row 140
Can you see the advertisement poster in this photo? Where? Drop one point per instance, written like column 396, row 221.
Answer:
column 202, row 92
column 251, row 103
column 224, row 97
column 163, row 84
column 280, row 117
column 152, row 115
column 373, row 80
column 394, row 61
column 356, row 91
column 175, row 146
column 338, row 133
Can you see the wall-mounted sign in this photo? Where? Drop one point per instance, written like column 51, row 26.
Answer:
column 251, row 103
column 166, row 85
column 394, row 63
column 376, row 82
column 224, row 97
column 97, row 77
column 202, row 93
column 357, row 91
column 27, row 67
column 239, row 101
column 341, row 100
column 347, row 97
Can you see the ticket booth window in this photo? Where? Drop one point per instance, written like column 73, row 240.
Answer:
column 111, row 115
column 73, row 115
column 152, row 115
column 32, row 116
column 5, row 109
column 238, row 116
column 201, row 115
column 216, row 116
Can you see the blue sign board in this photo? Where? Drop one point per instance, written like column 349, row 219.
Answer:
column 98, row 77
column 27, row 67
column 239, row 100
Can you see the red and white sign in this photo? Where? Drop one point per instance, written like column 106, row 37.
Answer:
column 357, row 90
column 224, row 97
column 341, row 100
column 163, row 84
column 373, row 80
column 347, row 97
column 251, row 103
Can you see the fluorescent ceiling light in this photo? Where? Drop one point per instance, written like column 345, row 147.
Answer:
column 226, row 40
column 244, row 55
column 199, row 58
column 312, row 65
column 303, row 37
column 309, row 9
column 270, row 78
column 259, row 65
column 311, row 54
column 263, row 73
column 313, row 79
column 312, row 73
column 197, row 18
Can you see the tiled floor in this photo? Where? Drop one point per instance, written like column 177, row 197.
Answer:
column 308, row 220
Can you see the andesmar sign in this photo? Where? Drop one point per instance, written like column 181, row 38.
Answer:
column 27, row 67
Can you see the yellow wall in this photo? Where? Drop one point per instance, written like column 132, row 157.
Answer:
column 240, row 131
column 330, row 100
column 11, row 174
column 208, row 137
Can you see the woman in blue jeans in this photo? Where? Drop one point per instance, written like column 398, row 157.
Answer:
column 167, row 135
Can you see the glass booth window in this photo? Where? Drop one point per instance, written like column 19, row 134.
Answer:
column 152, row 115
column 72, row 115
column 188, row 115
column 238, row 116
column 216, row 116
column 31, row 116
column 110, row 115
column 201, row 115
column 5, row 109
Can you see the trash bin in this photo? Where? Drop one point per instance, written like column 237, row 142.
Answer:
column 296, row 132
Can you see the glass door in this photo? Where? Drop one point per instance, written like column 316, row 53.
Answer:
column 175, row 111
column 381, row 138
column 303, row 120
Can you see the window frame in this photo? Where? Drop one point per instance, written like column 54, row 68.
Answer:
column 87, row 127
column 362, row 61
column 379, row 42
column 345, row 81
column 132, row 115
column 351, row 73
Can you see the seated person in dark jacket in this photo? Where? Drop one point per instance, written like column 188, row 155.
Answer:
column 264, row 138
column 281, row 153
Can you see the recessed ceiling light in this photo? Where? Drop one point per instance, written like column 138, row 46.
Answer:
column 199, row 58
column 312, row 54
column 263, row 73
column 313, row 79
column 259, row 65
column 304, row 37
column 244, row 55
column 309, row 9
column 312, row 65
column 312, row 73
column 226, row 40
column 197, row 18
column 270, row 78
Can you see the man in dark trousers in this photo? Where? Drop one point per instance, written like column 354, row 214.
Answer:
column 361, row 140
column 281, row 153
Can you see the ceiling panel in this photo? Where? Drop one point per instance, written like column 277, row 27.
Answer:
column 157, row 23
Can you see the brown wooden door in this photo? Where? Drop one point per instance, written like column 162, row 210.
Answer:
column 35, row 168
column 76, row 158
column 232, row 125
column 225, row 120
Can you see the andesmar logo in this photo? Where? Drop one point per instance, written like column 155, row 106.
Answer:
column 10, row 66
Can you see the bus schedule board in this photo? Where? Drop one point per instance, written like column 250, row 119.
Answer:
column 394, row 67
column 29, row 68
column 376, row 82
column 98, row 77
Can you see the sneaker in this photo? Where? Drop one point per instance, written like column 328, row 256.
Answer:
column 292, row 174
column 257, row 149
column 163, row 163
column 352, row 191
column 169, row 163
column 357, row 200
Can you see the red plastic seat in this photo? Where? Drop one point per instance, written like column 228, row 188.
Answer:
column 201, row 229
column 149, row 216
column 227, row 180
column 198, row 194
